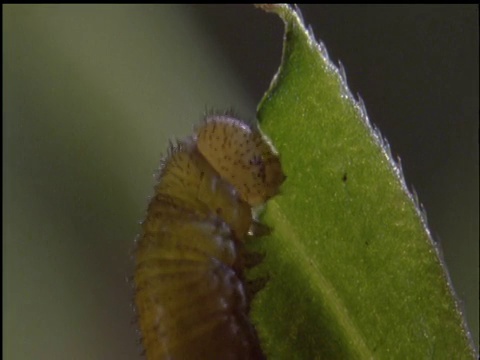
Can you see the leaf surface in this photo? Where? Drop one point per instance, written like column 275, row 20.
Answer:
column 353, row 271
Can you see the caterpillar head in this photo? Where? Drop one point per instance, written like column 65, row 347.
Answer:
column 242, row 156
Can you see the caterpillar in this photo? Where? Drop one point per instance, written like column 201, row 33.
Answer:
column 190, row 288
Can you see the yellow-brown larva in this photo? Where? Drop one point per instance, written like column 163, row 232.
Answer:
column 190, row 287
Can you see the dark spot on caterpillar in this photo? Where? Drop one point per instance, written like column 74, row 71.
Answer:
column 192, row 297
column 344, row 177
column 256, row 160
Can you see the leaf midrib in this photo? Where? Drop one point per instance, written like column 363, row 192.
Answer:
column 320, row 283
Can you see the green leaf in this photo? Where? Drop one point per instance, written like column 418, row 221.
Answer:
column 353, row 271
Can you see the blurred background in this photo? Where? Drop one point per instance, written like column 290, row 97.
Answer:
column 92, row 94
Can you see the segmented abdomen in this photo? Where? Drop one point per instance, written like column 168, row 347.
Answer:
column 190, row 286
column 190, row 295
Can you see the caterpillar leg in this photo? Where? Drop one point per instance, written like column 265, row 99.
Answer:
column 257, row 229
